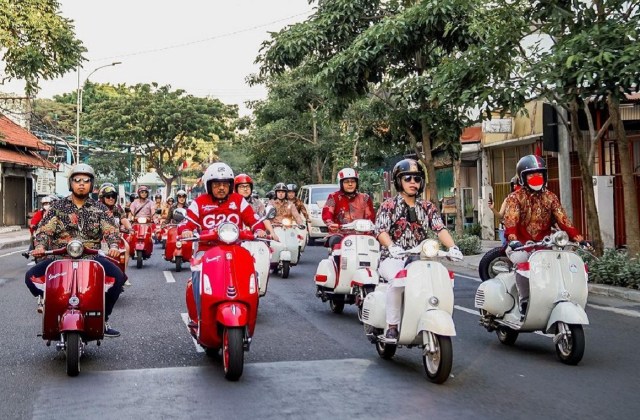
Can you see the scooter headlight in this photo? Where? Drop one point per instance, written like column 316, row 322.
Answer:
column 179, row 244
column 228, row 232
column 561, row 238
column 142, row 220
column 75, row 248
column 286, row 222
column 430, row 248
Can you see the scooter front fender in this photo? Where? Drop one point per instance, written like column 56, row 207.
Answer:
column 567, row 312
column 232, row 314
column 72, row 320
column 285, row 255
column 438, row 322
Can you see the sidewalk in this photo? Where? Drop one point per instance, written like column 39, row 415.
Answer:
column 14, row 237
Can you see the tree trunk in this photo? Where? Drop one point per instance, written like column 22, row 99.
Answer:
column 427, row 159
column 458, row 197
column 587, row 180
column 632, row 230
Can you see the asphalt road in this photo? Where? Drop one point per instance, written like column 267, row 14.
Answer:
column 305, row 362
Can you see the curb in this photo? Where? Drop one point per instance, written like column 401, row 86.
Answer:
column 615, row 291
column 15, row 244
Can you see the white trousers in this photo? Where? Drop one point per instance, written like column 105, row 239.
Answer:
column 388, row 269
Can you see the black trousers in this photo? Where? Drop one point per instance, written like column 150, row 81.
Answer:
column 110, row 269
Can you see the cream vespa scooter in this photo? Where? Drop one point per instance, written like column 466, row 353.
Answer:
column 427, row 309
column 286, row 251
column 355, row 275
column 557, row 297
column 259, row 249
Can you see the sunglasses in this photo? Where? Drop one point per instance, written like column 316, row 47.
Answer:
column 111, row 196
column 415, row 178
column 78, row 180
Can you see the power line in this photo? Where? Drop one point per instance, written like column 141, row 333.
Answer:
column 211, row 38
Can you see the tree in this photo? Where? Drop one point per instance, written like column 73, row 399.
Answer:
column 161, row 124
column 593, row 60
column 36, row 42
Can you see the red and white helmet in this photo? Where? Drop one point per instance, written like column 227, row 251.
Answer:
column 220, row 172
column 347, row 173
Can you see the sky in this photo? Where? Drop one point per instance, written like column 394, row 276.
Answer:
column 206, row 47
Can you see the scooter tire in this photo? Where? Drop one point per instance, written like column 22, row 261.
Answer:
column 233, row 353
column 139, row 258
column 72, row 353
column 571, row 350
column 164, row 244
column 489, row 260
column 286, row 267
column 178, row 264
column 437, row 366
column 506, row 335
column 337, row 306
column 385, row 350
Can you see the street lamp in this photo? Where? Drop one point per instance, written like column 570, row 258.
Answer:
column 79, row 92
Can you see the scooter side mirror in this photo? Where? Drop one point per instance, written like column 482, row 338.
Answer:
column 270, row 212
column 179, row 215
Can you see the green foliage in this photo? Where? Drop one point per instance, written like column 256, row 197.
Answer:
column 614, row 268
column 468, row 244
column 166, row 126
column 475, row 230
column 36, row 42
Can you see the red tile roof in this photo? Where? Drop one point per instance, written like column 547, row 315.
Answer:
column 27, row 158
column 12, row 133
column 471, row 135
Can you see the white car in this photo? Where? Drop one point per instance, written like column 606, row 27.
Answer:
column 314, row 196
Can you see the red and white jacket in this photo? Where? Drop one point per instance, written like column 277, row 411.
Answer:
column 205, row 213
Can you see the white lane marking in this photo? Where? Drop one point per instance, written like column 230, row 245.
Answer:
column 11, row 253
column 476, row 312
column 619, row 311
column 185, row 319
column 468, row 277
column 169, row 277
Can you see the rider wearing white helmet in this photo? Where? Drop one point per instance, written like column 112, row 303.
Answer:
column 220, row 204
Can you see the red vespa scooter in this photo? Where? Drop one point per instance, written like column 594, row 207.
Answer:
column 176, row 250
column 140, row 242
column 74, row 302
column 229, row 294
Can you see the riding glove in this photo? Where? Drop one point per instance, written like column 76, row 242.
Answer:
column 455, row 254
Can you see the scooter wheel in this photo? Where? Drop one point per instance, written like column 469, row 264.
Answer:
column 385, row 350
column 178, row 264
column 139, row 258
column 570, row 348
column 496, row 257
column 506, row 335
column 233, row 353
column 337, row 306
column 437, row 365
column 286, row 267
column 72, row 353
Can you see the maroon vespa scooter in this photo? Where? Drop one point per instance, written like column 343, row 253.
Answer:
column 74, row 306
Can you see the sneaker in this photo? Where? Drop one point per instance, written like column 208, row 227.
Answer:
column 392, row 334
column 127, row 283
column 40, row 305
column 110, row 332
column 192, row 324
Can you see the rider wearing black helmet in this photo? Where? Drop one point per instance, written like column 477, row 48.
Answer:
column 402, row 223
column 284, row 209
column 530, row 214
column 292, row 191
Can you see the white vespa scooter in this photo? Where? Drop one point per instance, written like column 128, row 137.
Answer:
column 356, row 275
column 427, row 309
column 286, row 251
column 557, row 297
column 261, row 255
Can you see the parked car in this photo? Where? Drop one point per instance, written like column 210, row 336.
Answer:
column 314, row 196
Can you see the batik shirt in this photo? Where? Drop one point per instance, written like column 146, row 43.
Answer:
column 117, row 212
column 343, row 208
column 284, row 208
column 529, row 216
column 301, row 208
column 91, row 223
column 393, row 218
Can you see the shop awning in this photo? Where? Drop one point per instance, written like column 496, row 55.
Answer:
column 25, row 158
